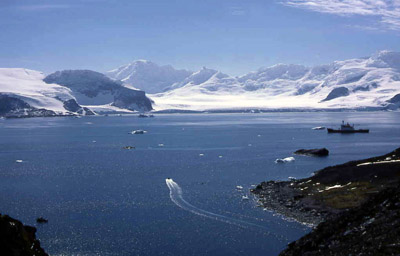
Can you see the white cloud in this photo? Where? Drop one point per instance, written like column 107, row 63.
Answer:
column 388, row 11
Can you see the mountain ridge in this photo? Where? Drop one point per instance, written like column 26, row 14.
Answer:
column 358, row 83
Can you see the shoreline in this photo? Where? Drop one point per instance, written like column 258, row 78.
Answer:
column 334, row 194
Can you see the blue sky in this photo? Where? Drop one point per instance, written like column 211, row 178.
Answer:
column 233, row 36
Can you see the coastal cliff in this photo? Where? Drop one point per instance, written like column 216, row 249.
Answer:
column 353, row 207
column 17, row 239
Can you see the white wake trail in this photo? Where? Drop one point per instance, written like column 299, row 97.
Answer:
column 175, row 193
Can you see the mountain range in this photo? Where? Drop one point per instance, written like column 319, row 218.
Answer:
column 370, row 83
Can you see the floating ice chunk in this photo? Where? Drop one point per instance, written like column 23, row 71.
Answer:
column 319, row 128
column 161, row 145
column 285, row 160
column 246, row 197
column 201, row 154
column 219, row 156
column 18, row 161
column 138, row 132
column 250, row 145
column 239, row 187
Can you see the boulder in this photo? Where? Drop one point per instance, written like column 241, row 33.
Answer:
column 313, row 152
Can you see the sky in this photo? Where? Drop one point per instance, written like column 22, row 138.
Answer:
column 233, row 36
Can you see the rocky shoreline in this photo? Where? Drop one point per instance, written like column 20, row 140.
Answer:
column 17, row 239
column 332, row 195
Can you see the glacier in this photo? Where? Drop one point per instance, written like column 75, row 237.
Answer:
column 371, row 83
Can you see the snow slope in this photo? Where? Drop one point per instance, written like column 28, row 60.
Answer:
column 148, row 76
column 28, row 86
column 95, row 89
column 352, row 84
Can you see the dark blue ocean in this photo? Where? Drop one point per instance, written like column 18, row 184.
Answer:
column 101, row 199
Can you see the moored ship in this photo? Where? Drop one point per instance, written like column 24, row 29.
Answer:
column 347, row 128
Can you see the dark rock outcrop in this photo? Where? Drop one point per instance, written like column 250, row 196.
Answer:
column 356, row 204
column 331, row 190
column 336, row 93
column 395, row 99
column 313, row 152
column 132, row 99
column 41, row 220
column 17, row 239
column 371, row 229
column 73, row 106
column 14, row 107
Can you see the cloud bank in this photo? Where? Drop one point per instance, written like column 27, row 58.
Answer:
column 388, row 11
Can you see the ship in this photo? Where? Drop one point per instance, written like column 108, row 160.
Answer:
column 347, row 128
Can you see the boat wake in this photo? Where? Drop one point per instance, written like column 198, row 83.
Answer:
column 175, row 193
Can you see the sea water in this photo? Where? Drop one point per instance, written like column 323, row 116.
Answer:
column 102, row 199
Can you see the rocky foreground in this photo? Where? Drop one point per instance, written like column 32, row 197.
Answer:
column 17, row 239
column 356, row 205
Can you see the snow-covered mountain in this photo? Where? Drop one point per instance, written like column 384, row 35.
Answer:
column 148, row 76
column 365, row 83
column 96, row 91
column 23, row 93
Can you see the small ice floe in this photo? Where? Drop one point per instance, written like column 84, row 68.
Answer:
column 285, row 160
column 246, row 197
column 128, row 147
column 219, row 156
column 94, row 141
column 88, row 123
column 201, row 154
column 250, row 145
column 239, row 187
column 291, row 178
column 18, row 161
column 319, row 128
column 259, row 135
column 138, row 132
column 161, row 145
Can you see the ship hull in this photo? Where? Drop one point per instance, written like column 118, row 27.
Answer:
column 348, row 131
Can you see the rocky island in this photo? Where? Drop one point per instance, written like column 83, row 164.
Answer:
column 355, row 205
